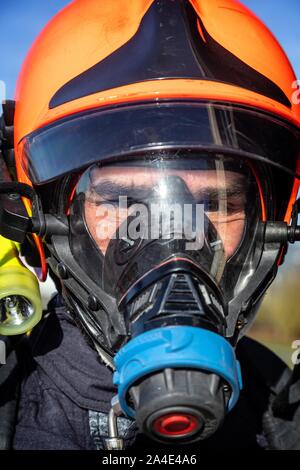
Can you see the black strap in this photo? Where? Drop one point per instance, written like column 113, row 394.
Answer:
column 282, row 420
column 10, row 378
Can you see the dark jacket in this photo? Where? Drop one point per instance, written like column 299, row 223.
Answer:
column 66, row 393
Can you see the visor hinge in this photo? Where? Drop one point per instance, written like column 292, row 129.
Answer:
column 281, row 232
column 294, row 228
column 15, row 223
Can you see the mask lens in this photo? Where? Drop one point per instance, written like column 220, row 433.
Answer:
column 115, row 193
column 194, row 206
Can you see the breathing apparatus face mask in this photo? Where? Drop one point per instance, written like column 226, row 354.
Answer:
column 172, row 238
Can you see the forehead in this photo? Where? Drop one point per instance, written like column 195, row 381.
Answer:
column 133, row 176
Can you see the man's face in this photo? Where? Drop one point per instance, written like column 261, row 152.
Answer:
column 222, row 193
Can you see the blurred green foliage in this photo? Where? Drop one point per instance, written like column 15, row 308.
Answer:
column 278, row 322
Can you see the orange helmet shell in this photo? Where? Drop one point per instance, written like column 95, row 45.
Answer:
column 88, row 31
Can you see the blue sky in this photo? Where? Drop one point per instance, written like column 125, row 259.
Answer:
column 21, row 21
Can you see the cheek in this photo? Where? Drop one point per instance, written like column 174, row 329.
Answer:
column 89, row 214
column 103, row 223
column 92, row 224
column 231, row 234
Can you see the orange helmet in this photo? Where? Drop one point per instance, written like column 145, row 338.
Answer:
column 94, row 56
column 165, row 102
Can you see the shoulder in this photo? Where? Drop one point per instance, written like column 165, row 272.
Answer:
column 64, row 361
column 262, row 365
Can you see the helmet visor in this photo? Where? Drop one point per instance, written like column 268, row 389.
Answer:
column 78, row 141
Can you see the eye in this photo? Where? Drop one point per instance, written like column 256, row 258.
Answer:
column 106, row 202
column 225, row 207
column 211, row 206
column 234, row 208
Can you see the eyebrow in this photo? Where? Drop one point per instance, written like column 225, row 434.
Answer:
column 111, row 189
column 225, row 192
